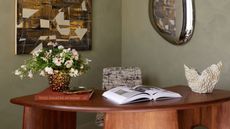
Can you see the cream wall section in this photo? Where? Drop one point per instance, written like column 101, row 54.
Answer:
column 106, row 52
column 161, row 62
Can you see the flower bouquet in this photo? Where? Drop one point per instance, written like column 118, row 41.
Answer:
column 56, row 62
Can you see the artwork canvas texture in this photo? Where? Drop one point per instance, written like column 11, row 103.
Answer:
column 41, row 22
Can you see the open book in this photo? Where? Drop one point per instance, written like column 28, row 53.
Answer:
column 124, row 95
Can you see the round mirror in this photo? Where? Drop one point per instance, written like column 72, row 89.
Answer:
column 174, row 20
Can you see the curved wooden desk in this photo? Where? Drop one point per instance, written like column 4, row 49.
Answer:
column 210, row 110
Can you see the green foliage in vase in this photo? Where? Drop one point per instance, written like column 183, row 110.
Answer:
column 56, row 58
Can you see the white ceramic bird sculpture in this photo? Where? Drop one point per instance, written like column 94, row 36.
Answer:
column 204, row 82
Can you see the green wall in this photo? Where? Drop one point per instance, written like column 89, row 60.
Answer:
column 161, row 62
column 122, row 34
column 106, row 52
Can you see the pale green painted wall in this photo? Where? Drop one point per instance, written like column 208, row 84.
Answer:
column 161, row 62
column 106, row 52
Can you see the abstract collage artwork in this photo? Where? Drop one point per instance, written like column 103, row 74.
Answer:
column 40, row 22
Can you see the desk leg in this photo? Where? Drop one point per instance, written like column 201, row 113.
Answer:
column 35, row 118
column 141, row 120
column 223, row 118
column 189, row 118
column 213, row 117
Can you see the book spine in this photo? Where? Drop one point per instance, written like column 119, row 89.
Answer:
column 61, row 98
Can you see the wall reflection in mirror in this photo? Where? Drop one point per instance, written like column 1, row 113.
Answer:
column 174, row 20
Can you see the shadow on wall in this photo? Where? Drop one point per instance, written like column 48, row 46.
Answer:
column 147, row 80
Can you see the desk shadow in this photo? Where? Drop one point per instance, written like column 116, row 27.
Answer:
column 200, row 127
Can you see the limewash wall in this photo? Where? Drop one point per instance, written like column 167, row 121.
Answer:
column 106, row 51
column 122, row 34
column 161, row 62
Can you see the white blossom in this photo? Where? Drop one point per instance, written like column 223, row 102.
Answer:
column 42, row 73
column 62, row 59
column 49, row 70
column 58, row 61
column 75, row 54
column 60, row 47
column 69, row 63
column 87, row 61
column 73, row 72
column 30, row 74
column 66, row 50
column 21, row 76
column 23, row 67
column 62, row 54
column 17, row 72
column 43, row 58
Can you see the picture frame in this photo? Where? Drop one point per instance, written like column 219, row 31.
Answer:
column 39, row 23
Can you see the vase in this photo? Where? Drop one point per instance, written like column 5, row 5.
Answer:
column 59, row 81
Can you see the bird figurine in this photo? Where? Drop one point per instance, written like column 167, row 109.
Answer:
column 203, row 82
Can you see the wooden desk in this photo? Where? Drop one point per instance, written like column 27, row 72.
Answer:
column 210, row 110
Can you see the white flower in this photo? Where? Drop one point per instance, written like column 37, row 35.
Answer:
column 62, row 54
column 82, row 66
column 30, row 74
column 58, row 61
column 23, row 67
column 43, row 58
column 74, row 72
column 49, row 70
column 66, row 50
column 60, row 47
column 21, row 76
column 87, row 61
column 75, row 54
column 42, row 73
column 17, row 72
column 69, row 63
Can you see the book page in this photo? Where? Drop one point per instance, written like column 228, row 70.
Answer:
column 162, row 95
column 157, row 93
column 122, row 95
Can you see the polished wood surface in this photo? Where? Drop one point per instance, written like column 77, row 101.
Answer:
column 101, row 104
column 142, row 120
column 215, row 116
column 35, row 118
column 210, row 110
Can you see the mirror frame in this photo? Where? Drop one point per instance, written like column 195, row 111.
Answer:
column 184, row 37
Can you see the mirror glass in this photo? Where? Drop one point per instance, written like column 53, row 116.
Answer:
column 174, row 20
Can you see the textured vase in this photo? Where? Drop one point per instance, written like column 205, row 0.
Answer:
column 205, row 81
column 59, row 81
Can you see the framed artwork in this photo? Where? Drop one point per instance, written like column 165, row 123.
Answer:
column 40, row 22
